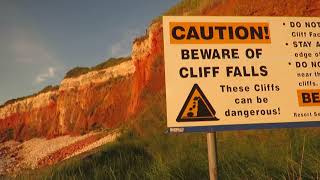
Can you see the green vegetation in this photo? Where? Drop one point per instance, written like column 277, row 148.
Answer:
column 141, row 38
column 188, row 8
column 8, row 135
column 184, row 7
column 144, row 151
column 78, row 71
column 191, row 7
column 44, row 90
column 110, row 62
column 115, row 161
column 49, row 88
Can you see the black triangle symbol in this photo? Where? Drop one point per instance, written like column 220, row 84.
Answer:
column 197, row 107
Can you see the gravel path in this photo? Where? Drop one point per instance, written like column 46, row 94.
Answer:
column 37, row 149
column 39, row 152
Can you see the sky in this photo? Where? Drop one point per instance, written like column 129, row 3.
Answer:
column 41, row 40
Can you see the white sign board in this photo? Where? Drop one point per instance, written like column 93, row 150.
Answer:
column 241, row 72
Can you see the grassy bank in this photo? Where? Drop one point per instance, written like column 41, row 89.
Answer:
column 145, row 152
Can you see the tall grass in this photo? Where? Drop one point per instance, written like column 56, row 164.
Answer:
column 191, row 7
column 144, row 151
column 78, row 71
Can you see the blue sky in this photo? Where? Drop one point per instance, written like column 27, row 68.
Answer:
column 41, row 39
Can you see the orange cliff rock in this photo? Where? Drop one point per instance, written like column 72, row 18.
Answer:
column 111, row 96
column 147, row 55
column 103, row 98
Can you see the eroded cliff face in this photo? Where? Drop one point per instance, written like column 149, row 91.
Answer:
column 98, row 99
column 147, row 55
column 29, row 117
column 111, row 96
column 94, row 100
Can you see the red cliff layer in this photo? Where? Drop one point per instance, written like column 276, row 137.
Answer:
column 93, row 101
column 101, row 99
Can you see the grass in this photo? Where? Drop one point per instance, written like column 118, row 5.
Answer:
column 116, row 161
column 185, row 8
column 144, row 151
column 78, row 71
column 44, row 90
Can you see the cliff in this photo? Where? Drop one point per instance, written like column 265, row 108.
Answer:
column 98, row 99
column 79, row 105
column 106, row 98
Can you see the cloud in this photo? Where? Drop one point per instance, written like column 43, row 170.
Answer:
column 123, row 46
column 28, row 49
column 118, row 49
column 50, row 73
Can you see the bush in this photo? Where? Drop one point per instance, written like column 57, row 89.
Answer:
column 186, row 6
column 110, row 63
column 78, row 71
column 48, row 88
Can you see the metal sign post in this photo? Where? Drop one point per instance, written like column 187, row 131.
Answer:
column 212, row 155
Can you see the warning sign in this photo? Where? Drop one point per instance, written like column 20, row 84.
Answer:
column 309, row 97
column 197, row 107
column 254, row 72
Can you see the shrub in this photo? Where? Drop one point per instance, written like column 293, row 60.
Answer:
column 110, row 63
column 78, row 71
